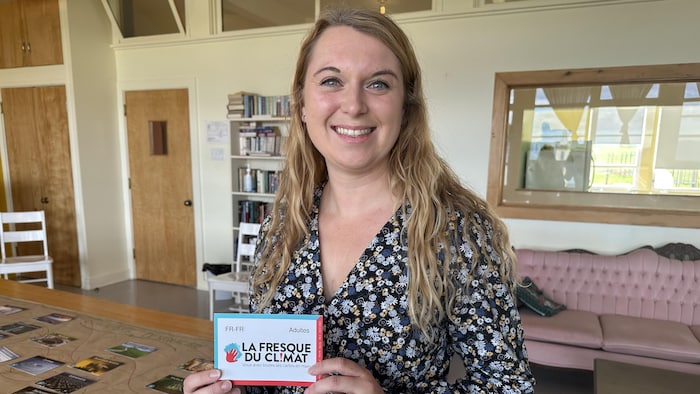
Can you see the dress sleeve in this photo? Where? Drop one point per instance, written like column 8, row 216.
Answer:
column 486, row 329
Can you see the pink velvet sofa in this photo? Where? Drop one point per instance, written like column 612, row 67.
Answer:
column 642, row 307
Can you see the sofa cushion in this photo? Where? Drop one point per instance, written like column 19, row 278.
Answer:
column 529, row 294
column 650, row 338
column 696, row 331
column 577, row 328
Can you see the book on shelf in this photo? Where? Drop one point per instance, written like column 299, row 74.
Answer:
column 238, row 97
column 236, row 107
column 263, row 181
column 251, row 211
column 251, row 105
column 260, row 140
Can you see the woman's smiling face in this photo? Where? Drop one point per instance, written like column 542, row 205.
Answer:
column 353, row 100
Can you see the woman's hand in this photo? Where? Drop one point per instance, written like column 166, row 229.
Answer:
column 340, row 375
column 206, row 382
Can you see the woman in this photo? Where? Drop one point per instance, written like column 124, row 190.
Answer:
column 375, row 232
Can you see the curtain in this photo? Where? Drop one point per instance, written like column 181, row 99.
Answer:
column 628, row 94
column 569, row 104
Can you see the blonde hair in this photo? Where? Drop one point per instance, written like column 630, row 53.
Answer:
column 418, row 176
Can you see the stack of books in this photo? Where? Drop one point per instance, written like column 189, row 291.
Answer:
column 236, row 104
column 243, row 105
column 256, row 140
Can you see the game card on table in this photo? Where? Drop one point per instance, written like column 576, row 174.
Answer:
column 267, row 350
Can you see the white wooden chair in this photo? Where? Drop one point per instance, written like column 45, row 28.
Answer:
column 29, row 228
column 236, row 281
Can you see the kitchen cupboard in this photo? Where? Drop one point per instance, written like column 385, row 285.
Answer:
column 30, row 33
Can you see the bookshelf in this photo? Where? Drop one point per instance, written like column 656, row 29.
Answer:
column 258, row 131
column 264, row 170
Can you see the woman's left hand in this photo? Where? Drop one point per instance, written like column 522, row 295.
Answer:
column 340, row 375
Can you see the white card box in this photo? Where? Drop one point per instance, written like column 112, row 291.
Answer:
column 267, row 350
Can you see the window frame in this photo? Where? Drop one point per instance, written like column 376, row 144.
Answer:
column 218, row 18
column 178, row 11
column 582, row 206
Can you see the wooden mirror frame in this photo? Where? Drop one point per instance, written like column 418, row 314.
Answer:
column 582, row 206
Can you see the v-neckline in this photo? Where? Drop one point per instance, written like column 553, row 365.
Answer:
column 361, row 259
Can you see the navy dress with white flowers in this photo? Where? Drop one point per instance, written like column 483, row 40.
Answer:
column 367, row 321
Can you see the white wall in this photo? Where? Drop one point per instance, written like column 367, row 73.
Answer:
column 459, row 54
column 93, row 118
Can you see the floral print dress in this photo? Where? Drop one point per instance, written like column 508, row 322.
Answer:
column 367, row 320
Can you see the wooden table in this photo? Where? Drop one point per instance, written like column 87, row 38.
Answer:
column 613, row 377
column 98, row 324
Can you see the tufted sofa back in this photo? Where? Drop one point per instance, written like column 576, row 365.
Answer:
column 640, row 283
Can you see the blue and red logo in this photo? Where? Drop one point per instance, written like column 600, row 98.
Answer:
column 233, row 353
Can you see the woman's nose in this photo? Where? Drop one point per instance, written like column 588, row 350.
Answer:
column 355, row 102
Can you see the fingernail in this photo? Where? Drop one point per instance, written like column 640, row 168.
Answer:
column 236, row 391
column 215, row 373
column 226, row 386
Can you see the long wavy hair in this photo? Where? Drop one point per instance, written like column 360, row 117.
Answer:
column 418, row 176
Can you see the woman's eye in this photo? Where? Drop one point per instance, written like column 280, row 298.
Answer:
column 332, row 82
column 378, row 85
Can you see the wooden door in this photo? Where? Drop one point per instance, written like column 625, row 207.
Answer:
column 158, row 132
column 40, row 170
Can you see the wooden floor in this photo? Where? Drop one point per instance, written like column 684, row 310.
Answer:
column 160, row 296
column 195, row 303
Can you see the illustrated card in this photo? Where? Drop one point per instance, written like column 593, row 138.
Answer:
column 7, row 354
column 18, row 328
column 132, row 349
column 32, row 390
column 55, row 318
column 97, row 365
column 10, row 309
column 197, row 365
column 267, row 350
column 53, row 339
column 169, row 384
column 36, row 365
column 65, row 382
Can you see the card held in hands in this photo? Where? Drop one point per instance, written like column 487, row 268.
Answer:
column 267, row 350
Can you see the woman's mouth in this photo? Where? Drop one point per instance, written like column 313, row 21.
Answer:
column 353, row 132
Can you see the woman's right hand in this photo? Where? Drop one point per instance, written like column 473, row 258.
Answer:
column 207, row 382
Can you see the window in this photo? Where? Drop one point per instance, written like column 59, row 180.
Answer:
column 139, row 18
column 617, row 145
column 250, row 14
column 389, row 6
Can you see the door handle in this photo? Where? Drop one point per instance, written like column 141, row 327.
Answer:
column 44, row 200
column 188, row 203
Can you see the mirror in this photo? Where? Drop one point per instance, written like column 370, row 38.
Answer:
column 618, row 145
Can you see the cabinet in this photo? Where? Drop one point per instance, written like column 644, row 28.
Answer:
column 30, row 33
column 262, row 156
